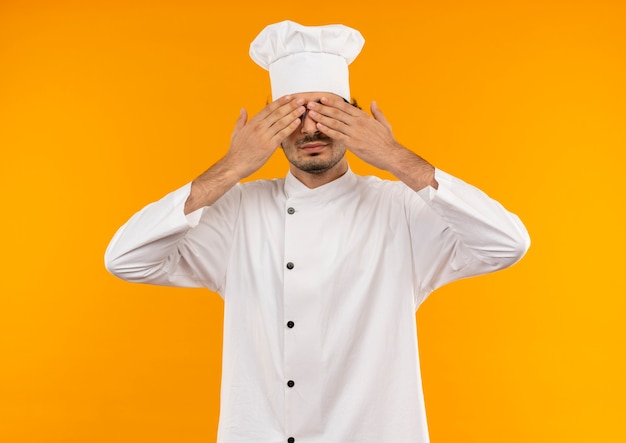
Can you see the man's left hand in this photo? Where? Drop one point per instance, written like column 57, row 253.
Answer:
column 368, row 138
column 371, row 140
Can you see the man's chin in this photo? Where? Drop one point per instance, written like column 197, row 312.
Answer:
column 315, row 171
column 316, row 165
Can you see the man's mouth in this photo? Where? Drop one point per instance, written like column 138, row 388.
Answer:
column 313, row 146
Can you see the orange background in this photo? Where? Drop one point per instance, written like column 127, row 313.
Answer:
column 106, row 106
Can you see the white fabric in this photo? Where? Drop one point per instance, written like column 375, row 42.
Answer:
column 307, row 58
column 366, row 253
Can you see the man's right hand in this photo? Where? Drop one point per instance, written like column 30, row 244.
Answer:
column 251, row 145
column 254, row 142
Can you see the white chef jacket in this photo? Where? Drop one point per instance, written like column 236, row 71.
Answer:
column 320, row 289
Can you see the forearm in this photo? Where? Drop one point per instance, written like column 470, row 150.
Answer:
column 410, row 168
column 211, row 185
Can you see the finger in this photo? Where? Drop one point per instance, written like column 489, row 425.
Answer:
column 281, row 114
column 379, row 116
column 285, row 114
column 330, row 122
column 240, row 123
column 323, row 114
column 285, row 132
column 330, row 132
column 340, row 104
column 338, row 110
column 284, row 125
column 242, row 119
column 274, row 106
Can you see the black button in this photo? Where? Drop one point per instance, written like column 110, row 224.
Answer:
column 290, row 324
column 290, row 210
column 291, row 440
column 289, row 265
column 290, row 383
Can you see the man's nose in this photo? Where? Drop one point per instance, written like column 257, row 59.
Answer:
column 308, row 124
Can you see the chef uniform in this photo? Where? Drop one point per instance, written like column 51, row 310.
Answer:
column 320, row 285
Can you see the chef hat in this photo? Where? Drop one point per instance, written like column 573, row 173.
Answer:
column 307, row 58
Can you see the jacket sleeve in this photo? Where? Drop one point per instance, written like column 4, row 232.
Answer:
column 161, row 245
column 461, row 232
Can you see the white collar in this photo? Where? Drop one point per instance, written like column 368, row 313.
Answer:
column 295, row 189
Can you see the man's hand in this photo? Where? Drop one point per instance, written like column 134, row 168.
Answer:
column 254, row 142
column 368, row 138
column 371, row 140
column 251, row 145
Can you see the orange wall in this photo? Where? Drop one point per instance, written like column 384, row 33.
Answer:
column 107, row 105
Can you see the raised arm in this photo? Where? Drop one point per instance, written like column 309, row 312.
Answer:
column 460, row 232
column 157, row 246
